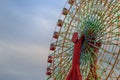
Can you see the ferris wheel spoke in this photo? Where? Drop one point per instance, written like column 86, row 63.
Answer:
column 65, row 51
column 66, row 45
column 66, row 33
column 67, row 23
column 105, row 28
column 106, row 69
column 114, row 37
column 91, row 50
column 66, row 65
column 67, row 60
column 110, row 43
column 58, row 76
column 87, row 61
column 67, row 39
column 57, row 42
column 67, row 57
column 118, row 77
column 107, row 42
column 68, row 68
column 114, row 74
column 102, row 30
column 57, row 55
column 109, row 63
column 104, row 34
column 108, row 10
column 109, row 29
column 108, row 66
column 113, row 65
column 105, row 60
column 111, row 36
column 108, row 52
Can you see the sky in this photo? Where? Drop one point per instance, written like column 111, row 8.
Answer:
column 26, row 28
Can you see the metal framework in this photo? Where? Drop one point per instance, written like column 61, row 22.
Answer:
column 99, row 21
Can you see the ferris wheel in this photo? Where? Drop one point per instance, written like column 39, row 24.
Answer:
column 86, row 42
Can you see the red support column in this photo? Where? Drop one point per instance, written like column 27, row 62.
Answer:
column 74, row 73
column 93, row 69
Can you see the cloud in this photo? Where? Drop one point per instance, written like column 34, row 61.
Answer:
column 26, row 28
column 20, row 60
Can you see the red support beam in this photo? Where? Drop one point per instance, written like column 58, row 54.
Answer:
column 74, row 73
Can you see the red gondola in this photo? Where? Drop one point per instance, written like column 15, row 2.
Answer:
column 65, row 11
column 56, row 35
column 52, row 47
column 71, row 2
column 60, row 23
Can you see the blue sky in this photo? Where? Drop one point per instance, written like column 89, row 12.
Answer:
column 26, row 28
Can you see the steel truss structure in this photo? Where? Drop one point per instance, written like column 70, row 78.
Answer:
column 99, row 22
